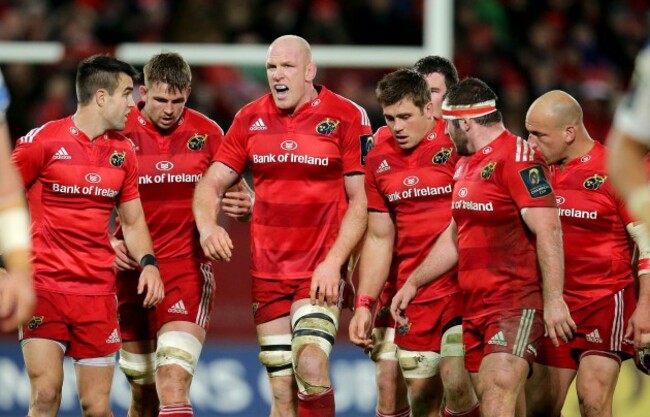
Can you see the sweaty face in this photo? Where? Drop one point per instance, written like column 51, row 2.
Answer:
column 438, row 88
column 407, row 122
column 544, row 136
column 119, row 103
column 289, row 73
column 163, row 106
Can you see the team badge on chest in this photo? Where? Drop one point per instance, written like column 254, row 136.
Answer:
column 196, row 142
column 327, row 126
column 441, row 156
column 117, row 158
column 487, row 170
column 594, row 182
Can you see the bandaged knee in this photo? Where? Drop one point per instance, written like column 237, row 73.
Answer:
column 313, row 325
column 384, row 347
column 178, row 348
column 452, row 342
column 418, row 364
column 138, row 368
column 275, row 354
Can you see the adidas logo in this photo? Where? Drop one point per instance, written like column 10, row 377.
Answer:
column 178, row 308
column 61, row 154
column 258, row 125
column 114, row 337
column 383, row 167
column 594, row 337
column 498, row 339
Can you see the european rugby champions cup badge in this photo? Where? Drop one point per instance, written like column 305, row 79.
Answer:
column 197, row 142
column 594, row 182
column 117, row 158
column 441, row 156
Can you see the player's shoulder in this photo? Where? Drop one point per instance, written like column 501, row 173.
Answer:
column 119, row 141
column 382, row 146
column 199, row 120
column 514, row 149
column 346, row 108
column 55, row 129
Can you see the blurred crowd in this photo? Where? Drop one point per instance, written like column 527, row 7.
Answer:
column 521, row 48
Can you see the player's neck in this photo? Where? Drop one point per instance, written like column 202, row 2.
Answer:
column 88, row 123
column 486, row 134
column 580, row 147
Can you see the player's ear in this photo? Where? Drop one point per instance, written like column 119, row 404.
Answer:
column 100, row 96
column 310, row 74
column 143, row 91
column 569, row 134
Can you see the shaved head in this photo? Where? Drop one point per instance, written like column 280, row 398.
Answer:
column 555, row 126
column 557, row 107
column 296, row 43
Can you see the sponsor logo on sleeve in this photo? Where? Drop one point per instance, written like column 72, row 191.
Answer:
column 535, row 181
column 35, row 322
column 367, row 144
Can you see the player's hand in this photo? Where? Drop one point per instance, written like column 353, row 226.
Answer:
column 401, row 300
column 123, row 262
column 151, row 282
column 237, row 202
column 325, row 282
column 558, row 323
column 216, row 243
column 17, row 299
column 638, row 327
column 360, row 328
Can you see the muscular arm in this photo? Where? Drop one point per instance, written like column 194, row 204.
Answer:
column 628, row 172
column 374, row 267
column 325, row 280
column 208, row 194
column 238, row 201
column 545, row 223
column 138, row 240
column 376, row 254
column 442, row 257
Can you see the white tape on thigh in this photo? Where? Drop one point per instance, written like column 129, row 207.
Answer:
column 178, row 348
column 139, row 368
column 418, row 364
column 108, row 360
column 384, row 347
column 452, row 342
column 275, row 354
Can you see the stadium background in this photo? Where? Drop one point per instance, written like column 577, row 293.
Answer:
column 522, row 48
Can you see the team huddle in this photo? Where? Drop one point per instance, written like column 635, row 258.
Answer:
column 493, row 270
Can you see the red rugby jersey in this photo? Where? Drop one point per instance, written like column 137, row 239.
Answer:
column 415, row 186
column 169, row 166
column 72, row 186
column 498, row 267
column 298, row 162
column 597, row 248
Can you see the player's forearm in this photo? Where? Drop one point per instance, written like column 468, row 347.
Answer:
column 442, row 257
column 205, row 205
column 135, row 230
column 551, row 260
column 374, row 265
column 351, row 231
